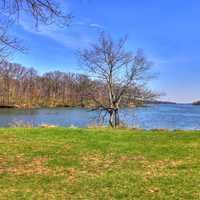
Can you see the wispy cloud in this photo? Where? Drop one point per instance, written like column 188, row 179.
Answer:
column 87, row 23
column 96, row 26
column 78, row 35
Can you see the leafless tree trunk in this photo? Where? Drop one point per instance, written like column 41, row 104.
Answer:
column 122, row 73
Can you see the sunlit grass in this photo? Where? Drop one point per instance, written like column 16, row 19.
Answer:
column 60, row 163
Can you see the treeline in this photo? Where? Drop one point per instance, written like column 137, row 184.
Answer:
column 24, row 87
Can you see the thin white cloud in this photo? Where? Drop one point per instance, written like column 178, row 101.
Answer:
column 71, row 37
column 96, row 26
column 87, row 23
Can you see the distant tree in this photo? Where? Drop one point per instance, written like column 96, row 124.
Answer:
column 83, row 85
column 10, row 74
column 122, row 75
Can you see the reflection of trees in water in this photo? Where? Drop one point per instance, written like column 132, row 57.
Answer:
column 52, row 112
column 128, row 118
column 25, row 118
column 95, row 118
column 18, row 112
column 32, row 112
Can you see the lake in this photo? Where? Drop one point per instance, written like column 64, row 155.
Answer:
column 171, row 116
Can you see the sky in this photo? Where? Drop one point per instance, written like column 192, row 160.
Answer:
column 167, row 31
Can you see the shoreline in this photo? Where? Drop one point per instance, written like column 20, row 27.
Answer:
column 23, row 106
column 60, row 106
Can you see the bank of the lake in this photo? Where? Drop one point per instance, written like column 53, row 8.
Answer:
column 61, row 163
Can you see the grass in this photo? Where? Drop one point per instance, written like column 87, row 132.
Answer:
column 61, row 163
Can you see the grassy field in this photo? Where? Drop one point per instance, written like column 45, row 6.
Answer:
column 61, row 163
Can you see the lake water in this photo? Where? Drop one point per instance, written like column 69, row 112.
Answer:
column 177, row 116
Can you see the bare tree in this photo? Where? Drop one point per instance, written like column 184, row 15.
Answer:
column 44, row 12
column 8, row 43
column 123, row 75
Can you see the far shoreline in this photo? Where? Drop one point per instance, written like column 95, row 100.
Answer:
column 24, row 106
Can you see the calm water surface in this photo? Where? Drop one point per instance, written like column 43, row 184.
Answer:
column 169, row 116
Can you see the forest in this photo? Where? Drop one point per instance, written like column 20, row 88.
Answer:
column 23, row 87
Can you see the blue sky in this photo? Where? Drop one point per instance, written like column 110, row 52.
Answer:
column 168, row 31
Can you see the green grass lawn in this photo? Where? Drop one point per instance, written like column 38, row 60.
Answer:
column 61, row 163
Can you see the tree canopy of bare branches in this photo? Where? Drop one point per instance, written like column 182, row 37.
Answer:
column 43, row 12
column 123, row 74
column 8, row 43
